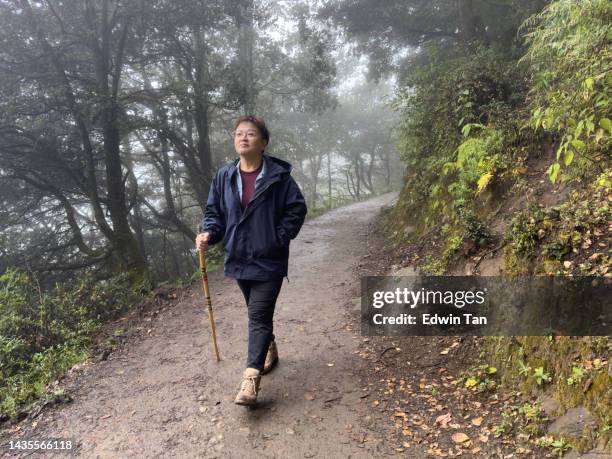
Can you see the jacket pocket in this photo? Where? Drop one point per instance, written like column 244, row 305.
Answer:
column 267, row 247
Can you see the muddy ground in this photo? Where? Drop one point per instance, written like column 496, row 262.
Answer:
column 334, row 393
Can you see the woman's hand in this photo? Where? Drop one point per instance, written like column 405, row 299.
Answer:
column 201, row 241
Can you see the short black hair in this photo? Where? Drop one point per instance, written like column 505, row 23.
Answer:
column 257, row 121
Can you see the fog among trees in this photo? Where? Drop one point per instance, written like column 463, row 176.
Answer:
column 115, row 115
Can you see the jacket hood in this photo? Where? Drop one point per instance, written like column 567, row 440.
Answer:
column 274, row 166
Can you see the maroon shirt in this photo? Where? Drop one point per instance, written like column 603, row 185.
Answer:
column 248, row 184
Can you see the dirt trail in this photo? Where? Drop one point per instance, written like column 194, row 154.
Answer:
column 166, row 396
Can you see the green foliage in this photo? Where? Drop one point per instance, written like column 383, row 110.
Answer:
column 556, row 250
column 463, row 153
column 477, row 159
column 524, row 231
column 448, row 95
column 436, row 265
column 576, row 376
column 541, row 376
column 479, row 378
column 382, row 28
column 532, row 412
column 505, row 426
column 524, row 369
column 570, row 229
column 455, row 137
column 42, row 334
column 433, row 266
column 558, row 446
column 569, row 56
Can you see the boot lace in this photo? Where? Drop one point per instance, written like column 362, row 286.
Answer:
column 249, row 381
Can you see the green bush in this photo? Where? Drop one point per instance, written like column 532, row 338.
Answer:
column 42, row 334
column 477, row 159
column 571, row 66
column 458, row 129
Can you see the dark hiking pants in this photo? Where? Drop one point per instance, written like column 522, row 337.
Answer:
column 260, row 298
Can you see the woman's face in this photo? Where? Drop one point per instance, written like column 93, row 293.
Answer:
column 248, row 140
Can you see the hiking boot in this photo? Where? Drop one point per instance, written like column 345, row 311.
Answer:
column 271, row 358
column 249, row 387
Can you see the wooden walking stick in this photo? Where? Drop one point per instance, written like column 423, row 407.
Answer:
column 208, row 302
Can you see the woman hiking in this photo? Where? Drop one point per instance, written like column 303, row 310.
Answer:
column 256, row 208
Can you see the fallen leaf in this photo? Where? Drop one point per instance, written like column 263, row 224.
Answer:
column 443, row 420
column 477, row 421
column 444, row 352
column 460, row 437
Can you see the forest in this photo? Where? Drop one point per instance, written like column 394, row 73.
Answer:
column 491, row 118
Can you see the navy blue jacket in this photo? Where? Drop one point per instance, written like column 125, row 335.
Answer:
column 255, row 239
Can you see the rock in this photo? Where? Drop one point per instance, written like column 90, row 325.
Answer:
column 405, row 271
column 550, row 406
column 492, row 266
column 103, row 355
column 573, row 422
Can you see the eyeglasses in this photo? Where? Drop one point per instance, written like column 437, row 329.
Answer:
column 250, row 133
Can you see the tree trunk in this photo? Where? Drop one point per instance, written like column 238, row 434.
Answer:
column 472, row 27
column 329, row 180
column 246, row 38
column 126, row 247
column 136, row 221
column 126, row 253
column 201, row 118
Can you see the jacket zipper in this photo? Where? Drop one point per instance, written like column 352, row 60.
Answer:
column 236, row 195
column 246, row 213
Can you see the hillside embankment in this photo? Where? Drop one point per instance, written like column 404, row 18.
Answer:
column 524, row 225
